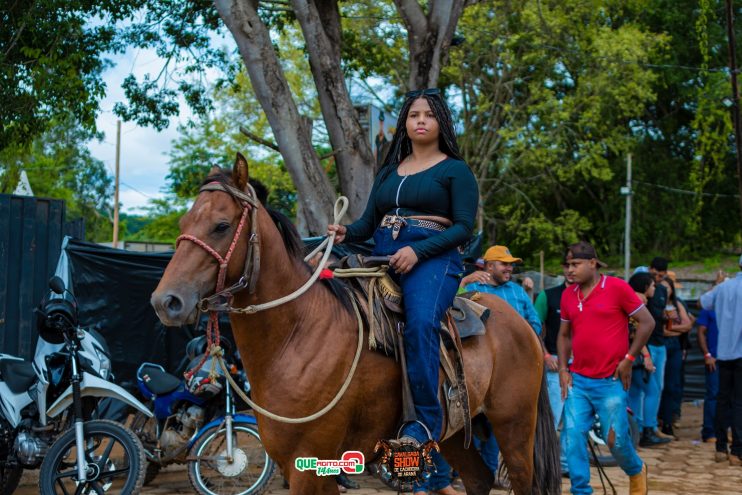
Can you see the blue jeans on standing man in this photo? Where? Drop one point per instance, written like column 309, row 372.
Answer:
column 644, row 397
column 428, row 291
column 606, row 398
column 557, row 408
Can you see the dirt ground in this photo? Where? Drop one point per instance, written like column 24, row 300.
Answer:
column 685, row 466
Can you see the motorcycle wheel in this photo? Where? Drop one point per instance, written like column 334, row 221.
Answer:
column 116, row 461
column 145, row 429
column 249, row 473
column 10, row 476
column 151, row 472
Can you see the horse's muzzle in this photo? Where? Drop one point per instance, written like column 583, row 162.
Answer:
column 175, row 309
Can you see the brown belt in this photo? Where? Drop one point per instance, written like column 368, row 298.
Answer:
column 396, row 222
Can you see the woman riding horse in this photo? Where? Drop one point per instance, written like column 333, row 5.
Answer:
column 421, row 208
column 297, row 349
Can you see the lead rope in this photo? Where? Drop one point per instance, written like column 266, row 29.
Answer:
column 341, row 206
column 321, row 412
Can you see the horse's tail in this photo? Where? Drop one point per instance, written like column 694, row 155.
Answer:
column 547, row 476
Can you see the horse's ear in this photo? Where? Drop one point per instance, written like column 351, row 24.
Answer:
column 214, row 171
column 240, row 174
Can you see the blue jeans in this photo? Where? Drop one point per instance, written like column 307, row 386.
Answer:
column 440, row 478
column 672, row 393
column 653, row 389
column 428, row 291
column 557, row 408
column 607, row 398
column 709, row 403
column 490, row 451
column 646, row 389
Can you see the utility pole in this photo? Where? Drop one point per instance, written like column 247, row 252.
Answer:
column 735, row 96
column 541, row 270
column 116, row 190
column 626, row 191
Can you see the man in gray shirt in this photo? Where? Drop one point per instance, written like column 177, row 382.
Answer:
column 726, row 300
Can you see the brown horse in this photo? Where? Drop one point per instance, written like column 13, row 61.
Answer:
column 297, row 356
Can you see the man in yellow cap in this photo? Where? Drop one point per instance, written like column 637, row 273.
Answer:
column 496, row 278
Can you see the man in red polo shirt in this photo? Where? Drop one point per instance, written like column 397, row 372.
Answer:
column 595, row 312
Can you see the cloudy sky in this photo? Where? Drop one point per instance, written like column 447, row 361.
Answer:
column 144, row 151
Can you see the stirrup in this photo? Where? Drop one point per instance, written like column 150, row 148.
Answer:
column 409, row 439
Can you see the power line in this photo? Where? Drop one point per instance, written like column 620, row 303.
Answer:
column 685, row 191
column 137, row 190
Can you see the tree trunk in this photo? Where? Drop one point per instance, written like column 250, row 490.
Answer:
column 429, row 37
column 315, row 193
column 320, row 24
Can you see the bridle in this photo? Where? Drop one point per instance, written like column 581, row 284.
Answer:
column 222, row 298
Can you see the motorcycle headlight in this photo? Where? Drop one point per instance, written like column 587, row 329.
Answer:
column 105, row 364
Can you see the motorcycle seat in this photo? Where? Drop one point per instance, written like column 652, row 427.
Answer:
column 18, row 375
column 157, row 381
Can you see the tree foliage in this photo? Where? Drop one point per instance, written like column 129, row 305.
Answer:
column 59, row 166
column 550, row 97
column 548, row 102
column 51, row 60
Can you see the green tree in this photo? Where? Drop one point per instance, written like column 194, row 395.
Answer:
column 685, row 163
column 60, row 166
column 160, row 223
column 549, row 92
column 51, row 61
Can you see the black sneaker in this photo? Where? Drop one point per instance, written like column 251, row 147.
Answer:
column 667, row 430
column 650, row 439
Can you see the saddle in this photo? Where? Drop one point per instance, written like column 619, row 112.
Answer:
column 380, row 301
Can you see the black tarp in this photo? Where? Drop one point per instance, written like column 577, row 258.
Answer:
column 113, row 288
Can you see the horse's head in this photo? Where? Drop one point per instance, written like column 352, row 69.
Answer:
column 210, row 224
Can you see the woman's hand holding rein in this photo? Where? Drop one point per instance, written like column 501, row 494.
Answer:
column 403, row 260
column 339, row 230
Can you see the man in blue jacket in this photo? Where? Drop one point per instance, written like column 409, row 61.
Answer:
column 496, row 278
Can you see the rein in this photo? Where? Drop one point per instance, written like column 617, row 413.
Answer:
column 221, row 300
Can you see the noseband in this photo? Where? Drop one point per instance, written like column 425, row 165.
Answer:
column 222, row 298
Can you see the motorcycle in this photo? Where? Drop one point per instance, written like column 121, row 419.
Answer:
column 196, row 423
column 71, row 371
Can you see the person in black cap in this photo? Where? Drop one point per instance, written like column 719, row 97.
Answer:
column 595, row 313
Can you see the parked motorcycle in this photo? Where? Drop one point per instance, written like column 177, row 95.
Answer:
column 70, row 371
column 196, row 423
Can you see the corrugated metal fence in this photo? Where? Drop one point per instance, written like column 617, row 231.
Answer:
column 31, row 233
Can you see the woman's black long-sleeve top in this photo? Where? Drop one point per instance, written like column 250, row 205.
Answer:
column 447, row 189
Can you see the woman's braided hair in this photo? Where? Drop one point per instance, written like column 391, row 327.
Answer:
column 401, row 145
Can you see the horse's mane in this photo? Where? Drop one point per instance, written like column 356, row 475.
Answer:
column 291, row 240
column 295, row 247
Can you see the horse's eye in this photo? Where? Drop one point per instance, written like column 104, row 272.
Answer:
column 221, row 227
